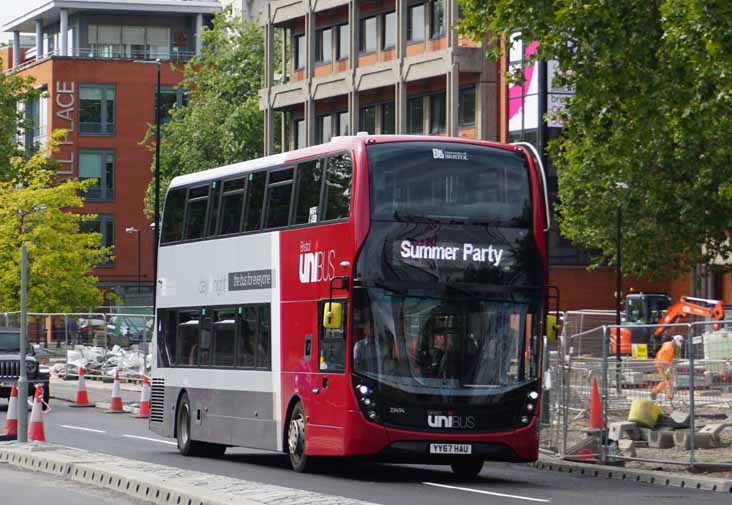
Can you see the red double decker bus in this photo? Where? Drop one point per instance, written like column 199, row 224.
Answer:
column 376, row 296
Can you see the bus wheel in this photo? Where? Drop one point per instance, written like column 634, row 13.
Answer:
column 467, row 468
column 186, row 446
column 299, row 461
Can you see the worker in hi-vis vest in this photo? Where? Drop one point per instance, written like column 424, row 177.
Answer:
column 664, row 364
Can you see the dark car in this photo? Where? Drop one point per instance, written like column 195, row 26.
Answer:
column 10, row 365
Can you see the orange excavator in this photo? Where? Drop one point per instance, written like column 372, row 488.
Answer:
column 656, row 308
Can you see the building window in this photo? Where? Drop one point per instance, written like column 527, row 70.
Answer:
column 388, row 120
column 437, row 113
column 324, row 130
column 466, row 107
column 437, row 26
column 415, row 23
column 367, row 42
column 344, row 124
column 96, row 109
column 97, row 165
column 415, row 115
column 300, row 56
column 344, row 42
column 36, row 115
column 324, row 46
column 389, row 31
column 104, row 224
column 134, row 42
column 367, row 120
column 170, row 98
column 300, row 134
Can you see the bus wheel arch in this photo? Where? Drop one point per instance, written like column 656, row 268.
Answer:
column 182, row 393
column 290, row 407
column 296, row 436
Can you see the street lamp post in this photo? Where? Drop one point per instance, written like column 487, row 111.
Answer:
column 156, row 230
column 131, row 230
column 156, row 219
column 618, row 280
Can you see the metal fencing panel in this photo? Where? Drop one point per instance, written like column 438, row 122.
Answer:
column 691, row 395
column 100, row 341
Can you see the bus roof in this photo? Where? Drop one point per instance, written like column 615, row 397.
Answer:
column 335, row 144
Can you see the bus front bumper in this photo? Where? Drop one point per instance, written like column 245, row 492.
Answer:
column 399, row 445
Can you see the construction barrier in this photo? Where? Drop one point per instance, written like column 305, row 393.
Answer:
column 693, row 397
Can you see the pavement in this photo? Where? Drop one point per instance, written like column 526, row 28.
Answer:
column 24, row 488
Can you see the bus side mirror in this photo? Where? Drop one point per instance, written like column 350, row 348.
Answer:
column 332, row 315
column 552, row 327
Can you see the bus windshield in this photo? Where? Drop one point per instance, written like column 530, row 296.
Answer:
column 449, row 182
column 430, row 344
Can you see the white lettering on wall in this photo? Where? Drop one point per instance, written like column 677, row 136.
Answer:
column 65, row 98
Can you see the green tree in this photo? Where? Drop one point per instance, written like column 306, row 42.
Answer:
column 221, row 123
column 37, row 210
column 651, row 109
column 14, row 90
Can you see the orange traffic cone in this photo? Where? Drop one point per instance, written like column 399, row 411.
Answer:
column 82, row 398
column 596, row 422
column 11, row 420
column 35, row 427
column 145, row 398
column 116, row 406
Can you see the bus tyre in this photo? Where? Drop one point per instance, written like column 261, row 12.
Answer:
column 186, row 446
column 299, row 461
column 467, row 468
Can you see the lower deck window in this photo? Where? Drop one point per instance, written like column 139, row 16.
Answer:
column 229, row 337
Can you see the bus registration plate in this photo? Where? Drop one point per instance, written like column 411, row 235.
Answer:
column 451, row 449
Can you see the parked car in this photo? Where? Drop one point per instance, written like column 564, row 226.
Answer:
column 10, row 365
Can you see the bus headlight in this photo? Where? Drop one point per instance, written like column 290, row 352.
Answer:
column 532, row 399
column 366, row 401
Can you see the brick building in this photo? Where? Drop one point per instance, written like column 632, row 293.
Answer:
column 96, row 63
column 396, row 66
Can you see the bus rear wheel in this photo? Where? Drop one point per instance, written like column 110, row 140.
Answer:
column 467, row 468
column 186, row 446
column 299, row 461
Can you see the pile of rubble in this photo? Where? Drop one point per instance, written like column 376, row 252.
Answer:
column 101, row 362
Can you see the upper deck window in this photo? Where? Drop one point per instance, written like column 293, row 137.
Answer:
column 448, row 182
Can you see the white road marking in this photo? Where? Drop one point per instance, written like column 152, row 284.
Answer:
column 69, row 427
column 480, row 491
column 151, row 439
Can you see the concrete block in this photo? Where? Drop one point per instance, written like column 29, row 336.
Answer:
column 627, row 448
column 682, row 439
column 645, row 433
column 623, row 429
column 661, row 440
column 715, row 430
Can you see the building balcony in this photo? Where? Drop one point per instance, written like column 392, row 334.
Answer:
column 421, row 66
column 115, row 53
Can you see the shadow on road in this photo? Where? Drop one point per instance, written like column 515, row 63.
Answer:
column 375, row 472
